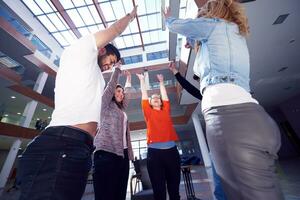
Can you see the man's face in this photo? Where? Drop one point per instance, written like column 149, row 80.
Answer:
column 107, row 62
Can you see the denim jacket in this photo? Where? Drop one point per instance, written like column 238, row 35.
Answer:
column 224, row 56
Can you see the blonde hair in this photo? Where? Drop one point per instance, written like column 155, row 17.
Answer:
column 230, row 10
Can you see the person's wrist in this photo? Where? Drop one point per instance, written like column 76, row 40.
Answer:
column 130, row 16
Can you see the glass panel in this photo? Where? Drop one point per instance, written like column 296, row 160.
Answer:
column 136, row 39
column 69, row 35
column 154, row 36
column 60, row 39
column 75, row 17
column 84, row 31
column 47, row 23
column 150, row 6
column 128, row 5
column 134, row 27
column 33, row 7
column 44, row 6
column 141, row 7
column 67, row 4
column 118, row 9
column 120, row 42
column 79, row 3
column 128, row 41
column 146, row 38
column 107, row 11
column 144, row 23
column 86, row 16
column 152, row 21
column 55, row 20
column 93, row 29
column 95, row 14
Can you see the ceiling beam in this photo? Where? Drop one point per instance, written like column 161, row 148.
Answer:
column 40, row 65
column 28, row 92
column 138, row 24
column 100, row 13
column 175, row 7
column 9, row 74
column 17, row 131
column 59, row 7
column 8, row 28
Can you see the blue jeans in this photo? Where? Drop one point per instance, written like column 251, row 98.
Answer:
column 218, row 192
column 55, row 165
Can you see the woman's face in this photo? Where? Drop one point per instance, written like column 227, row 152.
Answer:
column 155, row 101
column 119, row 94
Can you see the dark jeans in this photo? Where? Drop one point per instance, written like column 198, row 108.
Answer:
column 218, row 191
column 110, row 175
column 164, row 169
column 244, row 141
column 55, row 165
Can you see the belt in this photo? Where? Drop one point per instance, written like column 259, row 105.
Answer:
column 69, row 132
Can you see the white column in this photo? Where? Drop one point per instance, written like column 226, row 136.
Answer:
column 147, row 82
column 201, row 140
column 31, row 106
column 5, row 171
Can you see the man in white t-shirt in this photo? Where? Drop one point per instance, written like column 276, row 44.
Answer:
column 55, row 165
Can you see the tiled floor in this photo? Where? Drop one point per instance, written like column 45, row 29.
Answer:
column 289, row 174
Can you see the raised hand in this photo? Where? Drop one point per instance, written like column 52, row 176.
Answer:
column 160, row 77
column 133, row 12
column 141, row 76
column 172, row 67
column 166, row 12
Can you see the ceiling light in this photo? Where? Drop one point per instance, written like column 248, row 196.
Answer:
column 6, row 115
column 37, row 118
column 44, row 109
column 19, row 113
column 13, row 97
column 49, row 117
column 280, row 19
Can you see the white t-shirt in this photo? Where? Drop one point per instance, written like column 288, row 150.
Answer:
column 124, row 131
column 79, row 85
column 225, row 94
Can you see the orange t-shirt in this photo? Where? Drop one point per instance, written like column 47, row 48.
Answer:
column 159, row 123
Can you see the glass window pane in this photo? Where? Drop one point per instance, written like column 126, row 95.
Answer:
column 84, row 31
column 141, row 8
column 118, row 9
column 128, row 5
column 33, row 7
column 51, row 5
column 55, row 20
column 137, row 39
column 79, row 3
column 60, row 39
column 69, row 36
column 67, row 4
column 146, row 38
column 128, row 41
column 144, row 23
column 134, row 27
column 93, row 29
column 152, row 21
column 44, row 6
column 46, row 22
column 150, row 6
column 107, row 11
column 154, row 36
column 75, row 17
column 86, row 16
column 120, row 42
column 95, row 14
column 62, row 20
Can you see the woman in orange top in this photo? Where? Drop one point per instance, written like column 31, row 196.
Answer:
column 163, row 161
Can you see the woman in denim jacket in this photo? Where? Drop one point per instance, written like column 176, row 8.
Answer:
column 243, row 138
column 112, row 142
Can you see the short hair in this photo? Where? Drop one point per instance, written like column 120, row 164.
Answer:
column 112, row 50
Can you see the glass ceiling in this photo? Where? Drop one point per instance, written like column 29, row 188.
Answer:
column 84, row 15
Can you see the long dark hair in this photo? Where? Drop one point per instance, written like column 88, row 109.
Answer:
column 119, row 104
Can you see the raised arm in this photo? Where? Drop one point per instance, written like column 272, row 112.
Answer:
column 127, row 89
column 111, row 86
column 143, row 86
column 107, row 35
column 162, row 87
column 184, row 83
